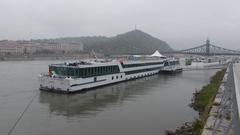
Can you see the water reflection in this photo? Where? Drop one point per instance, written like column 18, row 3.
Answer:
column 93, row 101
column 145, row 106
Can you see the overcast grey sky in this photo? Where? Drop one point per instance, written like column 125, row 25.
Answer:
column 181, row 23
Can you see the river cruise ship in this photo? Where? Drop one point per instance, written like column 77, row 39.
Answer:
column 77, row 76
column 172, row 65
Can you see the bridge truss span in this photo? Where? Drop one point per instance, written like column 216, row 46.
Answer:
column 208, row 49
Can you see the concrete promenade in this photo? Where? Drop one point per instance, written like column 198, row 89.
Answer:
column 224, row 116
column 236, row 71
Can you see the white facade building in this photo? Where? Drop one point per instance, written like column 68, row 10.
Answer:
column 10, row 48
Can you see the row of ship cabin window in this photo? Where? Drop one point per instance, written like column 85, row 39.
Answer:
column 85, row 72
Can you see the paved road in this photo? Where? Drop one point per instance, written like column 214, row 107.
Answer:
column 236, row 70
column 236, row 73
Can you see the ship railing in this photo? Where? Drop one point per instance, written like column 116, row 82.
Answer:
column 57, row 76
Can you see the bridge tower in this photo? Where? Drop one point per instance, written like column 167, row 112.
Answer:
column 207, row 47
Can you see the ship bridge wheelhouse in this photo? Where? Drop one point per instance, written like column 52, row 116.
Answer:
column 171, row 63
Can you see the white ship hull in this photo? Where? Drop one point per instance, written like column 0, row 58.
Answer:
column 68, row 84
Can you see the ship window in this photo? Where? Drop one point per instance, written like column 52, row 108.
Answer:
column 98, row 70
column 81, row 72
column 165, row 63
column 71, row 71
column 103, row 70
column 84, row 72
column 94, row 71
column 141, row 64
column 67, row 71
column 87, row 71
column 76, row 72
column 108, row 69
column 117, row 77
column 121, row 76
column 111, row 69
column 112, row 77
column 91, row 71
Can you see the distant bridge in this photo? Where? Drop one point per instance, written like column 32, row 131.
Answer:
column 207, row 50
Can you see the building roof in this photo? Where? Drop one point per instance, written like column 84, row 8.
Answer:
column 157, row 54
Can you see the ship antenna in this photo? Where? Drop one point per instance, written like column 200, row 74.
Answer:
column 94, row 54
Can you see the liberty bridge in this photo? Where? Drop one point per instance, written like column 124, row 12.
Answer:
column 224, row 119
column 206, row 49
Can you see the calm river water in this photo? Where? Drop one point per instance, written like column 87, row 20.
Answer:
column 146, row 106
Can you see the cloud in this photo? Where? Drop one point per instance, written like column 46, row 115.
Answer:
column 181, row 23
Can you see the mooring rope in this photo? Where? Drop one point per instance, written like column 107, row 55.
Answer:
column 20, row 117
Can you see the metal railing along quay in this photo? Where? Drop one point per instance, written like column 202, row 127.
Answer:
column 224, row 116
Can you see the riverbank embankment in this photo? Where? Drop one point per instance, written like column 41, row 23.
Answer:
column 44, row 57
column 202, row 101
column 208, row 99
column 223, row 117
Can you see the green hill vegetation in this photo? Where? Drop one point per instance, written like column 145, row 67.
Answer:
column 133, row 42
